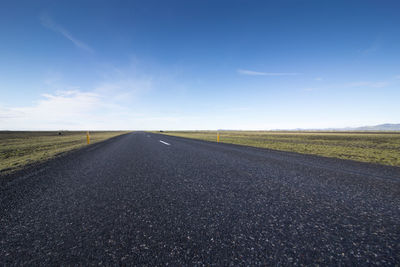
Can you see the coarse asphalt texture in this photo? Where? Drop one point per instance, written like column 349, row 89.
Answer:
column 134, row 200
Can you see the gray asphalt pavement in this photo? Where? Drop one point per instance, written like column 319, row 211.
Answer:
column 134, row 200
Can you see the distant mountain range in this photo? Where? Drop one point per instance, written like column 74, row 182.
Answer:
column 380, row 127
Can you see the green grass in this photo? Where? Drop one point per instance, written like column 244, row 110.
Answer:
column 18, row 149
column 379, row 147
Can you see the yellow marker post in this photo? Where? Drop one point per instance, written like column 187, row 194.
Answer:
column 217, row 137
column 88, row 137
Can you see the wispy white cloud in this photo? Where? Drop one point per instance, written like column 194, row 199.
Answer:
column 397, row 77
column 257, row 73
column 50, row 24
column 110, row 104
column 68, row 107
column 318, row 79
column 9, row 113
column 79, row 110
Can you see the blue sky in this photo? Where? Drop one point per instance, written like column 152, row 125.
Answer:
column 198, row 64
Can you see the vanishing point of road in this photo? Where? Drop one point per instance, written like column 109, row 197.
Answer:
column 150, row 199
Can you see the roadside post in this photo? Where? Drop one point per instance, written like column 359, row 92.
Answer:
column 217, row 137
column 87, row 137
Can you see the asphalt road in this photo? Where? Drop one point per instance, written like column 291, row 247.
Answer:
column 136, row 200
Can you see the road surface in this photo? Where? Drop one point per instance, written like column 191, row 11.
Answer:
column 150, row 199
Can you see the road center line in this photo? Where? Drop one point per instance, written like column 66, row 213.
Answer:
column 165, row 143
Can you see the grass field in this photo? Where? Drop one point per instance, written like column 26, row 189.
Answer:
column 380, row 147
column 18, row 149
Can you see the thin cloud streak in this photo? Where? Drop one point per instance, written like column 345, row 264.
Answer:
column 50, row 24
column 257, row 73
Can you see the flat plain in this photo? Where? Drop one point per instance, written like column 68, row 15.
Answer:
column 373, row 147
column 18, row 149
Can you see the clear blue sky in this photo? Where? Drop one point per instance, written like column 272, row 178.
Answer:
column 198, row 64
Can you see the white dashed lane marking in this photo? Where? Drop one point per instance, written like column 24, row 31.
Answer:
column 165, row 143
